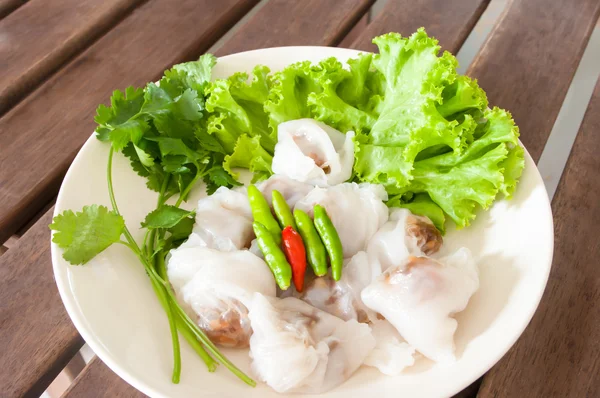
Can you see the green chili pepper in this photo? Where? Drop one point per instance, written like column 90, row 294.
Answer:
column 282, row 210
column 331, row 239
column 317, row 256
column 261, row 212
column 274, row 256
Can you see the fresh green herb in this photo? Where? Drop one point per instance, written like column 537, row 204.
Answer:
column 86, row 233
column 161, row 129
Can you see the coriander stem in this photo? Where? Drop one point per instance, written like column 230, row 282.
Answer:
column 160, row 292
column 187, row 189
column 111, row 195
column 201, row 336
column 175, row 342
column 159, row 289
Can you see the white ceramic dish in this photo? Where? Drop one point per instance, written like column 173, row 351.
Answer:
column 114, row 308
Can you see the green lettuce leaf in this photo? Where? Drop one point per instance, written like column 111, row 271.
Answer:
column 338, row 91
column 236, row 107
column 409, row 121
column 459, row 183
column 249, row 154
column 289, row 93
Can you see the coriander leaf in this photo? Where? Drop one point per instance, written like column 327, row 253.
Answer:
column 166, row 216
column 130, row 131
column 182, row 229
column 211, row 187
column 219, row 176
column 194, row 75
column 118, row 123
column 176, row 146
column 175, row 164
column 145, row 158
column 178, row 234
column 85, row 234
column 188, row 106
column 209, row 141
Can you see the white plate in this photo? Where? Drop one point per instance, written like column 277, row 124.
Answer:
column 114, row 308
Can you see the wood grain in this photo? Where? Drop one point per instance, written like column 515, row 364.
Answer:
column 450, row 21
column 98, row 381
column 529, row 60
column 41, row 135
column 37, row 338
column 8, row 6
column 43, row 34
column 297, row 23
column 559, row 353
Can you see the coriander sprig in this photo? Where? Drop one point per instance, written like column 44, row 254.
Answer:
column 160, row 130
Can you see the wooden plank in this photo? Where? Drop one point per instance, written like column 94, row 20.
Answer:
column 37, row 339
column 41, row 135
column 559, row 353
column 529, row 60
column 98, row 381
column 43, row 34
column 450, row 21
column 8, row 6
column 297, row 23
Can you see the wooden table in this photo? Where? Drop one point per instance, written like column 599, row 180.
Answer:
column 60, row 58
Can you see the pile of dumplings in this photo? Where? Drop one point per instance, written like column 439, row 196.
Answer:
column 394, row 302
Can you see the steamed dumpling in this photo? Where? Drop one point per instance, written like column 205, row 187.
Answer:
column 291, row 190
column 342, row 298
column 223, row 221
column 420, row 295
column 357, row 211
column 216, row 288
column 391, row 354
column 403, row 235
column 310, row 151
column 298, row 348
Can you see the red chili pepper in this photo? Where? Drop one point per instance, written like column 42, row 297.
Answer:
column 294, row 250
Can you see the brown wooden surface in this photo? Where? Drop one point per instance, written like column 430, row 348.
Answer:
column 528, row 61
column 37, row 338
column 41, row 135
column 297, row 23
column 98, row 381
column 8, row 6
column 559, row 353
column 450, row 21
column 43, row 34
